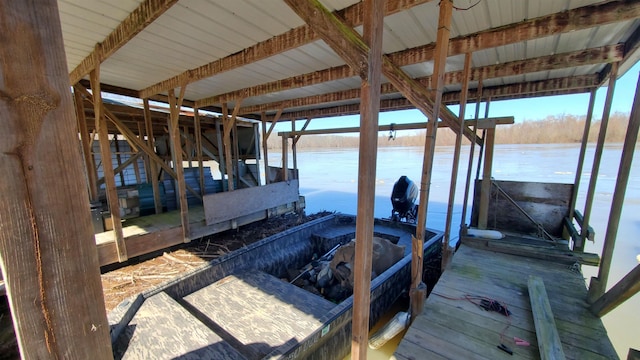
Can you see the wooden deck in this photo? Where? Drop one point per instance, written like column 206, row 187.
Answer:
column 452, row 327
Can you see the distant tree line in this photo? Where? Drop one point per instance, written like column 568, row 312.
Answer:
column 553, row 129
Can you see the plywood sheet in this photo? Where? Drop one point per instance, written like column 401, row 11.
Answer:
column 233, row 204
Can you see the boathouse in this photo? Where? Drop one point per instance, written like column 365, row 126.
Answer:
column 130, row 126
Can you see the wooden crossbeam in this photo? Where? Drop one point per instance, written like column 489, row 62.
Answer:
column 604, row 54
column 124, row 165
column 278, row 44
column 140, row 18
column 558, row 86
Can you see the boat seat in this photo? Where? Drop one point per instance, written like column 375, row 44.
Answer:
column 257, row 312
column 162, row 329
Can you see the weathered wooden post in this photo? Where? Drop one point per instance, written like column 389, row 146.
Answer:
column 47, row 250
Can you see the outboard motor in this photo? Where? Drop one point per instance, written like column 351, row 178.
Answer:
column 403, row 199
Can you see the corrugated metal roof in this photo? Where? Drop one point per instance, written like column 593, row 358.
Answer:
column 193, row 33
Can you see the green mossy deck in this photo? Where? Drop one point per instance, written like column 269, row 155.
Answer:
column 451, row 327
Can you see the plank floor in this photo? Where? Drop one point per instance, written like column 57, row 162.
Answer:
column 452, row 327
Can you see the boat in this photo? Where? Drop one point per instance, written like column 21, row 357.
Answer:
column 239, row 307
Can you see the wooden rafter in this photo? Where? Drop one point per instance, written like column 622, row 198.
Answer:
column 604, row 54
column 576, row 19
column 289, row 40
column 134, row 23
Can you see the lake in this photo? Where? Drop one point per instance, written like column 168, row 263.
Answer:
column 329, row 180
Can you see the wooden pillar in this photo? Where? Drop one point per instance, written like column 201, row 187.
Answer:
column 265, row 151
column 187, row 145
column 89, row 162
column 153, row 168
column 368, row 151
column 293, row 146
column 144, row 158
column 221, row 150
column 116, row 145
column 198, row 137
column 446, row 249
column 107, row 165
column 583, row 151
column 463, row 218
column 418, row 288
column 256, row 143
column 285, row 157
column 228, row 127
column 599, row 285
column 484, row 134
column 595, row 169
column 485, row 189
column 176, row 151
column 48, row 255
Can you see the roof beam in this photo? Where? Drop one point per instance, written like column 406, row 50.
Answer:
column 558, row 86
column 604, row 54
column 576, row 19
column 140, row 18
column 289, row 40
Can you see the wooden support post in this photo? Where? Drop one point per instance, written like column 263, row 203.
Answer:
column 304, row 127
column 265, row 146
column 597, row 157
column 463, row 221
column 176, row 152
column 116, row 145
column 293, row 146
column 188, row 145
column 256, row 143
column 418, row 289
column 599, row 285
column 368, row 151
column 136, row 169
column 583, row 150
column 107, row 165
column 124, row 165
column 198, row 136
column 222, row 163
column 89, row 163
column 49, row 261
column 285, row 158
column 482, row 143
column 236, row 150
column 447, row 253
column 485, row 189
column 228, row 128
column 153, row 168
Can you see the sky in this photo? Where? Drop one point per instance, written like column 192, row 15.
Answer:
column 521, row 109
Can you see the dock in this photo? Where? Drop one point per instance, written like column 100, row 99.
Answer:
column 453, row 326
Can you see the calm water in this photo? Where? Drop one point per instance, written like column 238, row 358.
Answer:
column 328, row 180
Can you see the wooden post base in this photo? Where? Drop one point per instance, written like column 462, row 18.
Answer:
column 417, row 295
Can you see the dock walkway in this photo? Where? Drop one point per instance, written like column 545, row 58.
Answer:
column 453, row 327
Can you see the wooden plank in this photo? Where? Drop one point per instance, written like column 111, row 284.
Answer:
column 157, row 201
column 280, row 43
column 198, row 135
column 116, row 144
column 265, row 150
column 176, row 152
column 161, row 314
column 577, row 215
column 227, row 125
column 367, row 157
column 619, row 293
column 593, row 56
column 134, row 23
column 485, row 189
column 548, row 339
column 285, row 158
column 131, row 160
column 136, row 169
column 561, row 256
column 249, row 200
column 107, row 167
column 49, row 261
